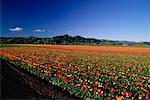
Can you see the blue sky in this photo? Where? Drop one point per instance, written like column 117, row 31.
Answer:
column 101, row 19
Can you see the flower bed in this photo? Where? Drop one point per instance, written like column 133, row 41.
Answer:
column 86, row 74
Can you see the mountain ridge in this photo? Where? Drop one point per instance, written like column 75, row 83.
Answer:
column 67, row 39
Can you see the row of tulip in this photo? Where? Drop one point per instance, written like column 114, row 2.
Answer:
column 86, row 74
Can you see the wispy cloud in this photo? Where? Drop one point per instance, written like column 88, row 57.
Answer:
column 16, row 29
column 39, row 30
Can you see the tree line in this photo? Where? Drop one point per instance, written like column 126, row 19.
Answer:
column 67, row 39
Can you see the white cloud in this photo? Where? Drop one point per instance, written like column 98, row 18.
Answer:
column 39, row 30
column 16, row 29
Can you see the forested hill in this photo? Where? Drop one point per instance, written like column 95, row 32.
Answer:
column 66, row 39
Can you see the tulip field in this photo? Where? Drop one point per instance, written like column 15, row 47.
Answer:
column 92, row 72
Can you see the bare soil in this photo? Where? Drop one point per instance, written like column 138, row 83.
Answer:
column 19, row 84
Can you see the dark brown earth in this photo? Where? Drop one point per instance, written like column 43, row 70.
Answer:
column 19, row 84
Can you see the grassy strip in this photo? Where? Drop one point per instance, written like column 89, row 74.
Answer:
column 20, row 45
column 26, row 45
column 13, row 45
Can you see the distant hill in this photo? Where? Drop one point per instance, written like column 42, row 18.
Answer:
column 67, row 39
